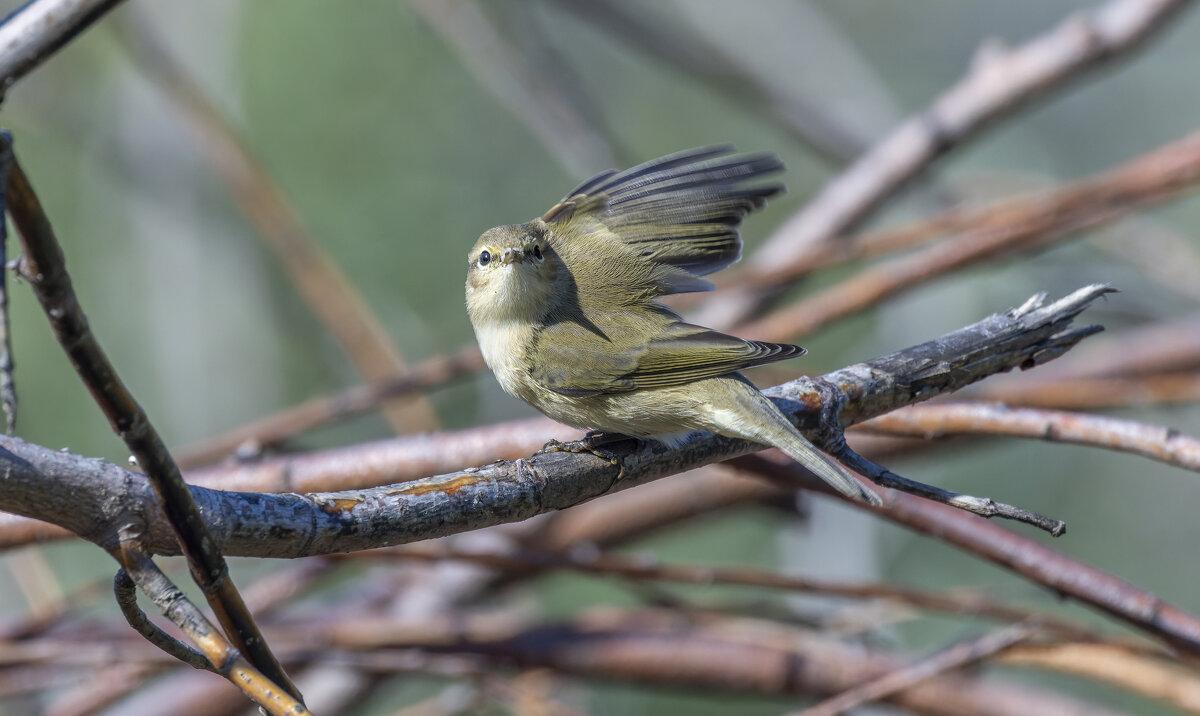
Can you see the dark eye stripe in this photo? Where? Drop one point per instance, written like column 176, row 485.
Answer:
column 484, row 258
column 537, row 252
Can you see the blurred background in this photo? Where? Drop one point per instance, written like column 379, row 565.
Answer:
column 398, row 132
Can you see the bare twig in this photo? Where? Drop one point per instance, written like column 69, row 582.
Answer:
column 310, row 414
column 935, row 421
column 325, row 290
column 1096, row 393
column 906, row 677
column 534, row 562
column 44, row 266
column 665, row 649
column 1146, row 180
column 8, row 390
column 126, row 593
column 1018, row 225
column 221, row 657
column 982, row 506
column 999, row 82
column 1043, row 565
column 31, row 34
column 1165, row 680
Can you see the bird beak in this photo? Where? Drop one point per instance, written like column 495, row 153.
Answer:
column 512, row 256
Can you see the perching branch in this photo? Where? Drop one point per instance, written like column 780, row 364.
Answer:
column 322, row 523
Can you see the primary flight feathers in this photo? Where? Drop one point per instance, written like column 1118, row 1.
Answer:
column 680, row 211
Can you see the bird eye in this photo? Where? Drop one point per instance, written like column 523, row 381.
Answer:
column 484, row 258
column 537, row 252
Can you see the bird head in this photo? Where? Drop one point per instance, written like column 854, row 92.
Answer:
column 510, row 273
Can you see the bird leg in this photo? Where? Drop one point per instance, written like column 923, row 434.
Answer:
column 590, row 444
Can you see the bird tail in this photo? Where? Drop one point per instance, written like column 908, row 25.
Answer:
column 775, row 429
column 802, row 451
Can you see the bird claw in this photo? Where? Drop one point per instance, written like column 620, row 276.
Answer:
column 582, row 446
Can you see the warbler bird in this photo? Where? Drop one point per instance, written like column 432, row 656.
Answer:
column 565, row 308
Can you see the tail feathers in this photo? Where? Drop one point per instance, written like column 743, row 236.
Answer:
column 756, row 418
column 803, row 452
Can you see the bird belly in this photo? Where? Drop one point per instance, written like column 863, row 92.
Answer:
column 668, row 415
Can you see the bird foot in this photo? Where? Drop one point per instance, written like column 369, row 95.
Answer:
column 581, row 446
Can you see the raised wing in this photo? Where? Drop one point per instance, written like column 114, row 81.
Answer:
column 679, row 213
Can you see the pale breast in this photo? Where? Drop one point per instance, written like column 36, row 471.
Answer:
column 502, row 344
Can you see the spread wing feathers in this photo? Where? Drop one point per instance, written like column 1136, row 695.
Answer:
column 681, row 210
column 682, row 354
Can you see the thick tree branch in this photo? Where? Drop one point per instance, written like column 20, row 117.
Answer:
column 38, row 29
column 298, row 525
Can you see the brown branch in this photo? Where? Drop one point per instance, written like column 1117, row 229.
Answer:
column 665, row 649
column 1151, row 178
column 1024, row 224
column 537, row 562
column 1167, row 681
column 44, row 267
column 1053, row 570
column 223, row 658
column 954, row 657
column 935, row 421
column 1049, row 568
column 293, row 421
column 1096, row 393
column 1163, row 347
column 325, row 290
column 29, row 36
column 998, row 83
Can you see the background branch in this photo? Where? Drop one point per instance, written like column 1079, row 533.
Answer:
column 999, row 81
column 43, row 266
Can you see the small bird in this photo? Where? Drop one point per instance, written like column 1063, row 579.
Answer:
column 564, row 308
